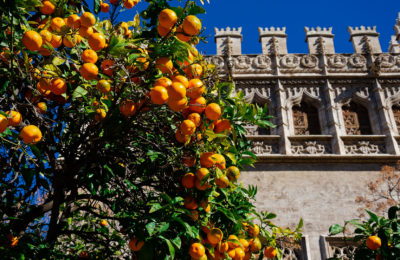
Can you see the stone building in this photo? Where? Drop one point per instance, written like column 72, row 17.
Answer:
column 337, row 118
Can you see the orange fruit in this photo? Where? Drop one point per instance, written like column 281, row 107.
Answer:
column 215, row 236
column 177, row 105
column 202, row 173
column 89, row 71
column 196, row 118
column 127, row 108
column 180, row 137
column 201, row 186
column 97, row 41
column 239, row 254
column 3, row 123
column 135, row 244
column 254, row 230
column 14, row 118
column 233, row 173
column 213, row 111
column 47, row 8
column 219, row 160
column 89, row 56
column 244, row 243
column 58, row 86
column 85, row 31
column 56, row 40
column 223, row 247
column 164, row 64
column 70, row 41
column 232, row 253
column 194, row 215
column 159, row 95
column 194, row 71
column 373, row 242
column 143, row 63
column 181, row 79
column 103, row 223
column 32, row 40
column 104, row 7
column 190, row 203
column 164, row 82
column 43, row 88
column 30, row 134
column 207, row 160
column 167, row 18
column 191, row 25
column 270, row 252
column 181, row 35
column 189, row 161
column 197, row 105
column 187, row 127
column 84, row 254
column 195, row 88
column 129, row 4
column 255, row 245
column 188, row 180
column 162, row 31
column 56, row 23
column 187, row 60
column 100, row 114
column 106, row 67
column 197, row 250
column 222, row 182
column 42, row 107
column 234, row 243
column 176, row 91
column 46, row 36
column 222, row 125
column 88, row 19
column 103, row 86
column 74, row 21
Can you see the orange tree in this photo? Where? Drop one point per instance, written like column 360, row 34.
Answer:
column 118, row 139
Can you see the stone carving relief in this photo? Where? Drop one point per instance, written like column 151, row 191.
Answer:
column 290, row 61
column 344, row 253
column 310, row 147
column 337, row 61
column 242, row 62
column 260, row 148
column 385, row 60
column 218, row 61
column 364, row 147
column 309, row 61
column 357, row 61
column 261, row 62
column 250, row 130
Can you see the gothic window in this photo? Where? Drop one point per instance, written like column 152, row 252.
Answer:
column 356, row 119
column 306, row 120
column 396, row 114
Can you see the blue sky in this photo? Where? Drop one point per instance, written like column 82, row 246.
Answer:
column 294, row 15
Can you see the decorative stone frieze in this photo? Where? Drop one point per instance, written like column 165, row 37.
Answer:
column 364, row 145
column 311, row 145
column 264, row 145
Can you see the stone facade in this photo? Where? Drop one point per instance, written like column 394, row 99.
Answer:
column 337, row 118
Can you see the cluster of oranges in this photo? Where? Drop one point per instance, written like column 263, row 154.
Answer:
column 29, row 134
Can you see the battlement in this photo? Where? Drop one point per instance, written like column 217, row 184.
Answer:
column 362, row 30
column 228, row 31
column 272, row 31
column 318, row 31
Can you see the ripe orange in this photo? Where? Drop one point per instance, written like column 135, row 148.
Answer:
column 187, row 127
column 196, row 118
column 373, row 242
column 270, row 252
column 56, row 23
column 88, row 19
column 104, row 7
column 215, row 236
column 14, row 118
column 164, row 31
column 219, row 161
column 197, row 250
column 3, row 123
column 70, row 41
column 222, row 125
column 202, row 173
column 47, row 8
column 56, row 41
column 187, row 61
column 207, row 160
column 189, row 161
column 127, row 108
column 13, row 240
column 74, row 21
column 234, row 243
column 176, row 91
column 103, row 86
column 222, row 182
column 239, row 254
column 177, row 105
column 32, row 40
column 190, row 203
column 106, row 67
column 30, row 134
column 254, row 230
column 201, row 185
column 46, row 36
column 213, row 111
column 197, row 105
column 233, row 173
column 194, row 71
column 223, row 247
column 181, row 79
column 42, row 107
column 142, row 63
column 164, row 82
column 165, row 65
column 100, row 114
column 85, row 31
column 195, row 88
column 181, row 35
column 180, row 137
column 191, row 25
column 97, row 41
column 89, row 71
column 135, row 244
column 159, row 95
column 103, row 223
column 167, row 18
column 43, row 88
column 188, row 180
column 194, row 215
column 255, row 245
column 84, row 254
column 89, row 56
column 58, row 86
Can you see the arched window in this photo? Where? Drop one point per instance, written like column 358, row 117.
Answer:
column 306, row 120
column 356, row 119
column 396, row 115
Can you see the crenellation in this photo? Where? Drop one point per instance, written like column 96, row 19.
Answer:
column 365, row 39
column 228, row 40
column 320, row 40
column 394, row 45
column 273, row 40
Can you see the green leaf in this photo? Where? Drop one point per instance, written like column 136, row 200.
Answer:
column 96, row 6
column 155, row 207
column 194, row 10
column 170, row 247
column 57, row 61
column 79, row 92
column 373, row 216
column 150, row 227
column 335, row 229
column 300, row 225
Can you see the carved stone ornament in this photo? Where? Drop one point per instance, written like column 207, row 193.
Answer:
column 290, row 61
column 385, row 60
column 309, row 61
column 309, row 147
column 364, row 147
column 260, row 148
column 357, row 61
column 218, row 62
column 337, row 61
column 261, row 62
column 242, row 62
column 250, row 130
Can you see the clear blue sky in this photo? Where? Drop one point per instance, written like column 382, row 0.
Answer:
column 294, row 15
